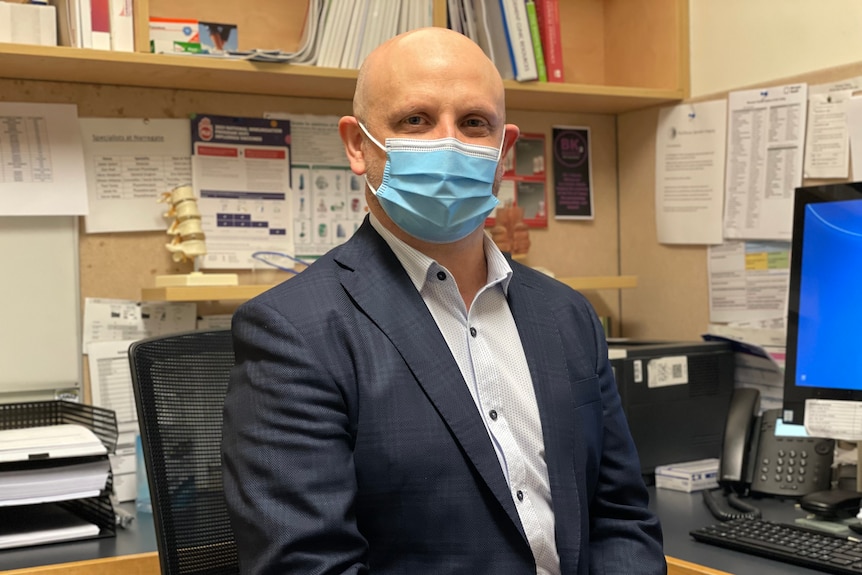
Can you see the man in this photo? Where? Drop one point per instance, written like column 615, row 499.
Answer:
column 414, row 402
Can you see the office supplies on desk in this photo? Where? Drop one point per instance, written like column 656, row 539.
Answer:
column 37, row 524
column 786, row 543
column 92, row 515
column 52, row 480
column 49, row 442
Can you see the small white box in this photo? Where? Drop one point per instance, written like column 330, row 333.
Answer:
column 688, row 476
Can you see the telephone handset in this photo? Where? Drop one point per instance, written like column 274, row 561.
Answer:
column 756, row 461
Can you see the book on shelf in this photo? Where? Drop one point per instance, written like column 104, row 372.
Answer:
column 548, row 19
column 536, row 38
column 491, row 36
column 122, row 26
column 520, row 44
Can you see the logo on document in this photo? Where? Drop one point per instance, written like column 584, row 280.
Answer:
column 205, row 129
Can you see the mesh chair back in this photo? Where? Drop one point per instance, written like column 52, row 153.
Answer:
column 180, row 383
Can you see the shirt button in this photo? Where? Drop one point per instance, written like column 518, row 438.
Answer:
column 473, row 331
column 520, row 495
column 441, row 276
column 493, row 414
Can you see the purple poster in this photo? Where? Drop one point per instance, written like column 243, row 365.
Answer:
column 573, row 186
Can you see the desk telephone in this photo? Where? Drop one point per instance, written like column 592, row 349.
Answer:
column 757, row 462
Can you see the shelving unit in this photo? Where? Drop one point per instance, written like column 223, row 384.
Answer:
column 607, row 67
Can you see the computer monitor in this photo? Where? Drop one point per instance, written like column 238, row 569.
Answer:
column 824, row 320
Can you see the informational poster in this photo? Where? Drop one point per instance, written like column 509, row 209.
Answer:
column 766, row 134
column 524, row 182
column 689, row 173
column 328, row 200
column 130, row 163
column 241, row 173
column 573, row 185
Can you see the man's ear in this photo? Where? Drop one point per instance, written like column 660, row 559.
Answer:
column 510, row 136
column 351, row 135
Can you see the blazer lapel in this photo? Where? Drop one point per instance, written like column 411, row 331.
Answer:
column 552, row 382
column 374, row 278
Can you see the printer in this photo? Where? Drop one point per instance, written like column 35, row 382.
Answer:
column 675, row 396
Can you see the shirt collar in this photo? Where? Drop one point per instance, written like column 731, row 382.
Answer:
column 417, row 264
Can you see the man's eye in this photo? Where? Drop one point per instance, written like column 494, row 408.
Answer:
column 414, row 120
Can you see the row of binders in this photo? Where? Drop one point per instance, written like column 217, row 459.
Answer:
column 521, row 37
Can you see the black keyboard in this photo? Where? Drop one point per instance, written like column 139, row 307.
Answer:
column 786, row 543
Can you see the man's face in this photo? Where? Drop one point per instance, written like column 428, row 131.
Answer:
column 435, row 96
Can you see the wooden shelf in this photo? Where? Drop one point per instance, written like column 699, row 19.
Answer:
column 601, row 282
column 203, row 293
column 211, row 74
column 244, row 292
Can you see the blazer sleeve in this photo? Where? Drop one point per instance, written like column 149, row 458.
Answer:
column 625, row 536
column 289, row 473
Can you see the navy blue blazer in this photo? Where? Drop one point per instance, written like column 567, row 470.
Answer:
column 352, row 444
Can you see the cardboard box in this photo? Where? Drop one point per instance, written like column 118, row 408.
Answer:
column 688, row 476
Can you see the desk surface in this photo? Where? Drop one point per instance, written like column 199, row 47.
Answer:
column 138, row 538
column 679, row 512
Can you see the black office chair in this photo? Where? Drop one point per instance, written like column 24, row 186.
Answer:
column 180, row 383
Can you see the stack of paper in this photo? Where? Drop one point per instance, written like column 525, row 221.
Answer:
column 53, row 483
column 49, row 442
column 37, row 524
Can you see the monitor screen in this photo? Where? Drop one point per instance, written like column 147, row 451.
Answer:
column 824, row 354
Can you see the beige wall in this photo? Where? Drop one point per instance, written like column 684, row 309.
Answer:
column 737, row 43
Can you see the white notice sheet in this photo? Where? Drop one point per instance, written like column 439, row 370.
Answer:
column 766, row 132
column 827, row 138
column 41, row 161
column 748, row 281
column 689, row 186
column 130, row 163
column 241, row 173
column 121, row 319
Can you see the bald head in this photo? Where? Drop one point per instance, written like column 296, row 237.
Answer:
column 426, row 54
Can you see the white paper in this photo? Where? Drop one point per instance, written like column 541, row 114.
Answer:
column 766, row 131
column 41, row 160
column 241, row 174
column 123, row 465
column 837, row 419
column 690, row 149
column 328, row 199
column 130, row 164
column 827, row 139
column 119, row 319
column 217, row 321
column 748, row 281
column 111, row 381
column 854, row 126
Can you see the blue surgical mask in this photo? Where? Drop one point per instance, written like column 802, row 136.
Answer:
column 437, row 190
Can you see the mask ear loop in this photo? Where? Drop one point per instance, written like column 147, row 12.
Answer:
column 370, row 137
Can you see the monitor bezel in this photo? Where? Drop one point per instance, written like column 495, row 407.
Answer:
column 795, row 396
